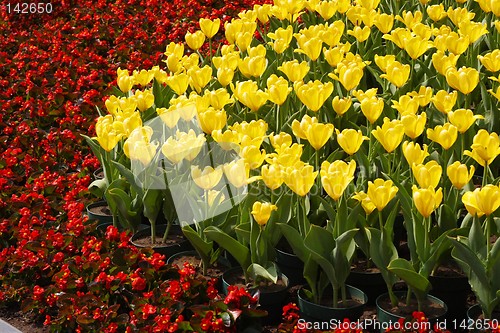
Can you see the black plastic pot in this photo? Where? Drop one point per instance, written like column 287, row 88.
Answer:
column 271, row 301
column 103, row 214
column 453, row 291
column 168, row 250
column 313, row 312
column 371, row 283
column 387, row 318
column 290, row 265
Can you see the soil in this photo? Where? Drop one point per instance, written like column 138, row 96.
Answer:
column 362, row 265
column 158, row 242
column 238, row 279
column 431, row 309
column 101, row 210
column 494, row 316
column 25, row 322
column 214, row 271
column 449, row 269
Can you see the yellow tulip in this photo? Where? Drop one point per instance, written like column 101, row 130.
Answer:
column 261, row 212
column 406, row 105
column 445, row 135
column 436, row 12
column 485, row 147
column 212, row 120
column 249, row 94
column 209, row 27
column 423, row 96
column 144, row 99
column 384, row 61
column 444, row 101
column 390, row 134
column 456, row 43
column 361, row 34
column 254, row 129
column 174, row 150
column 348, row 75
column 208, row 178
column 384, row 22
column 410, row 18
column 218, row 98
column 350, row 140
column 263, row 12
column 318, row 134
column 225, row 75
column 143, row 77
column 485, row 5
column 442, row 62
column 332, row 33
column 252, row 66
column 334, row 55
column 280, row 140
column 138, row 146
column 300, row 128
column 397, row 73
column 427, row 199
column 282, row 38
column 495, row 94
column 459, row 175
column 473, row 30
column 294, row 70
column 169, row 116
column 199, row 77
column 464, row 79
column 491, row 60
column 178, row 83
column 311, row 47
column 326, row 9
column 314, row 93
column 212, row 195
column 398, row 36
column 192, row 143
column 365, row 201
column 415, row 46
column 380, row 192
column 107, row 137
column 238, row 173
column 427, row 175
column 277, row 89
column 286, row 156
column 341, row 105
column 125, row 82
column 372, row 108
column 195, row 40
column 463, row 119
column 483, row 201
column 336, row 176
column 228, row 140
column 300, row 178
column 253, row 156
column 413, row 153
column 272, row 175
column 459, row 14
column 174, row 63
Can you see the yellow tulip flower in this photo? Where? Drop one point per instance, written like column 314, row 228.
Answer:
column 169, row 116
column 464, row 79
column 361, row 34
column 195, row 40
column 143, row 77
column 286, row 156
column 311, row 47
column 456, row 43
column 238, row 173
column 423, row 96
column 463, row 119
column 397, row 73
column 413, row 153
column 334, row 55
column 300, row 128
column 427, row 199
column 192, row 143
column 272, row 175
column 263, row 12
column 459, row 14
column 436, row 12
column 282, row 38
column 199, row 77
column 473, row 30
column 427, row 175
column 178, row 83
column 144, row 99
column 491, row 60
column 314, row 93
column 253, row 156
column 485, row 147
column 495, row 94
column 300, row 178
column 209, row 27
column 294, row 70
column 252, row 66
column 415, row 46
column 228, row 140
column 380, row 192
column 225, row 75
column 332, row 33
column 350, row 140
column 384, row 61
column 384, row 22
column 212, row 120
column 445, row 135
column 249, row 94
column 318, row 134
column 212, row 195
column 444, row 101
column 483, row 201
column 365, row 201
column 372, row 108
column 277, row 89
column 459, row 175
column 107, row 136
column 442, row 62
column 390, row 134
column 410, row 18
column 406, row 104
column 281, row 139
column 138, row 146
column 348, row 75
column 336, row 176
column 341, row 105
column 125, row 82
column 261, row 212
column 326, row 9
column 174, row 150
column 218, row 98
column 208, row 178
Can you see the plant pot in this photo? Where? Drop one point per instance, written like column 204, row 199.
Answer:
column 370, row 282
column 98, row 174
column 271, row 300
column 100, row 211
column 386, row 316
column 290, row 265
column 476, row 323
column 175, row 243
column 452, row 290
column 313, row 312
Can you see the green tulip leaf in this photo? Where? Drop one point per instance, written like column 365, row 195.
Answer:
column 231, row 245
column 98, row 187
column 419, row 284
column 255, row 270
column 320, row 243
column 202, row 247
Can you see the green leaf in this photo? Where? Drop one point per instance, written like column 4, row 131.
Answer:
column 202, row 246
column 382, row 252
column 152, row 204
column 419, row 284
column 270, row 273
column 477, row 240
column 231, row 245
column 474, row 269
column 320, row 243
column 98, row 187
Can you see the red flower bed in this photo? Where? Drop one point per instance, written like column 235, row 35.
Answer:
column 54, row 70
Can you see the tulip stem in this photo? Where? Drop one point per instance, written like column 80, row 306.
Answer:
column 316, row 161
column 380, row 221
column 488, row 235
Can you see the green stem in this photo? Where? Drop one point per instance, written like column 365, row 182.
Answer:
column 392, row 296
column 488, row 235
column 344, row 294
column 380, row 220
column 408, row 296
column 335, row 297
